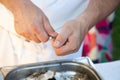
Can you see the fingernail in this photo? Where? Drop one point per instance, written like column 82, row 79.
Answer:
column 57, row 44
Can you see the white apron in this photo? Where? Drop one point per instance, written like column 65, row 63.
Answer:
column 15, row 51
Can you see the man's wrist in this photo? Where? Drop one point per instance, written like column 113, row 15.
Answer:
column 13, row 5
column 89, row 18
column 82, row 19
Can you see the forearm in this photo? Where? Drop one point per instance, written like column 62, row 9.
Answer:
column 96, row 11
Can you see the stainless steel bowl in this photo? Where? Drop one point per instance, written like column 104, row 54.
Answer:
column 21, row 72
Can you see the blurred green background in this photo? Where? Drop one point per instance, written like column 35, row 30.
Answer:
column 116, row 35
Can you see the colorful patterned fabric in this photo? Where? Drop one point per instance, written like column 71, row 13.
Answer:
column 98, row 42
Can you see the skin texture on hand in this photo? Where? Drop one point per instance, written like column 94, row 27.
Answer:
column 70, row 38
column 30, row 21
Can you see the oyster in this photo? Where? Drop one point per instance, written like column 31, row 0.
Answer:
column 51, row 75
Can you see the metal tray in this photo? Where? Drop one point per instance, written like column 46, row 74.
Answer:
column 21, row 72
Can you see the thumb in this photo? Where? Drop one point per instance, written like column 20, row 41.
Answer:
column 61, row 39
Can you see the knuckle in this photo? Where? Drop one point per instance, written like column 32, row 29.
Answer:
column 34, row 28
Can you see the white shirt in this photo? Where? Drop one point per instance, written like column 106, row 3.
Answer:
column 16, row 51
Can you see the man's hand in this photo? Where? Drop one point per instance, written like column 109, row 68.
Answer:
column 70, row 38
column 73, row 32
column 30, row 21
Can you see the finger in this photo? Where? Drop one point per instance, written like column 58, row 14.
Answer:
column 61, row 38
column 68, row 48
column 35, row 39
column 64, row 50
column 27, row 36
column 40, row 33
column 49, row 28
